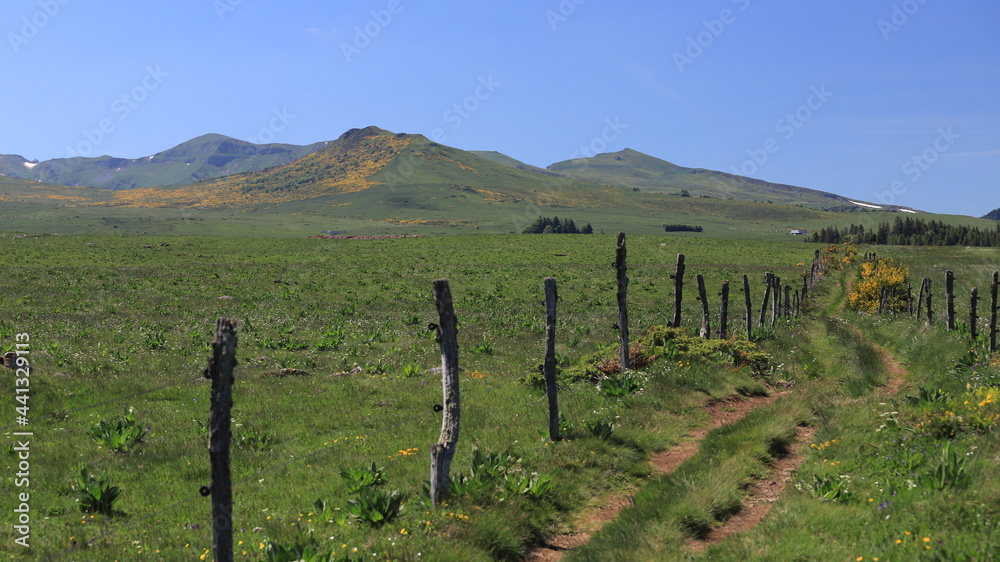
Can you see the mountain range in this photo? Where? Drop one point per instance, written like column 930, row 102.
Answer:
column 375, row 180
column 213, row 156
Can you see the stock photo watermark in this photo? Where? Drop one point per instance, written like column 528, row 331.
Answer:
column 121, row 108
column 225, row 7
column 280, row 120
column 18, row 359
column 918, row 164
column 562, row 13
column 900, row 16
column 364, row 35
column 612, row 130
column 459, row 112
column 32, row 25
column 713, row 29
column 787, row 126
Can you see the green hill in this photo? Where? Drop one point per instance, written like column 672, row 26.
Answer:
column 993, row 215
column 633, row 169
column 373, row 181
column 205, row 157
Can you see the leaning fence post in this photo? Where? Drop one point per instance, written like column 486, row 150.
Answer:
column 549, row 367
column 220, row 371
column 678, row 291
column 788, row 301
column 973, row 316
column 930, row 310
column 949, row 287
column 706, row 329
column 776, row 299
column 767, row 295
column 993, row 312
column 746, row 300
column 724, row 311
column 443, row 451
column 621, row 269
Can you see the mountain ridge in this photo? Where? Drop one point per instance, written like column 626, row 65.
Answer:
column 236, row 173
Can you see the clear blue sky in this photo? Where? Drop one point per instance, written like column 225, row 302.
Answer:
column 894, row 101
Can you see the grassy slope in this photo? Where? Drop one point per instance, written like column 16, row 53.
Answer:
column 630, row 168
column 124, row 315
column 372, row 181
column 204, row 157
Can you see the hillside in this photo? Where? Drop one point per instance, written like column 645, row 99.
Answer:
column 993, row 215
column 205, row 157
column 633, row 169
column 374, row 181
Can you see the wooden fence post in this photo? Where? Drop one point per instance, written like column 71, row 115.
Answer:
column 550, row 356
column 788, row 301
column 805, row 289
column 706, row 329
column 930, row 309
column 724, row 311
column 909, row 298
column 920, row 296
column 678, row 290
column 621, row 269
column 949, row 287
column 993, row 312
column 775, row 299
column 768, row 284
column 443, row 451
column 220, row 371
column 973, row 316
column 746, row 299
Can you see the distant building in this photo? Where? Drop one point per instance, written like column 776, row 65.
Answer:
column 797, row 232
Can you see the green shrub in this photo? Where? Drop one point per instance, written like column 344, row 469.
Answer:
column 95, row 495
column 120, row 435
column 375, row 507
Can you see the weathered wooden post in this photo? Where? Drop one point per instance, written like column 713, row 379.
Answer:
column 746, row 300
column 805, row 288
column 220, row 371
column 949, row 287
column 930, row 309
column 621, row 269
column 776, row 299
column 443, row 451
column 724, row 311
column 909, row 298
column 768, row 284
column 920, row 296
column 788, row 301
column 993, row 312
column 549, row 367
column 706, row 329
column 973, row 316
column 798, row 304
column 678, row 290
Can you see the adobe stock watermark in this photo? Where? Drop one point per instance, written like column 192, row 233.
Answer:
column 786, row 127
column 916, row 165
column 549, row 190
column 612, row 130
column 363, row 35
column 280, row 119
column 121, row 109
column 713, row 29
column 225, row 7
column 900, row 16
column 32, row 25
column 562, row 13
column 459, row 112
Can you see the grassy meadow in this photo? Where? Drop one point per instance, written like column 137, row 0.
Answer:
column 333, row 377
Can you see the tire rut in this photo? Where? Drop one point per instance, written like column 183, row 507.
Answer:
column 720, row 412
